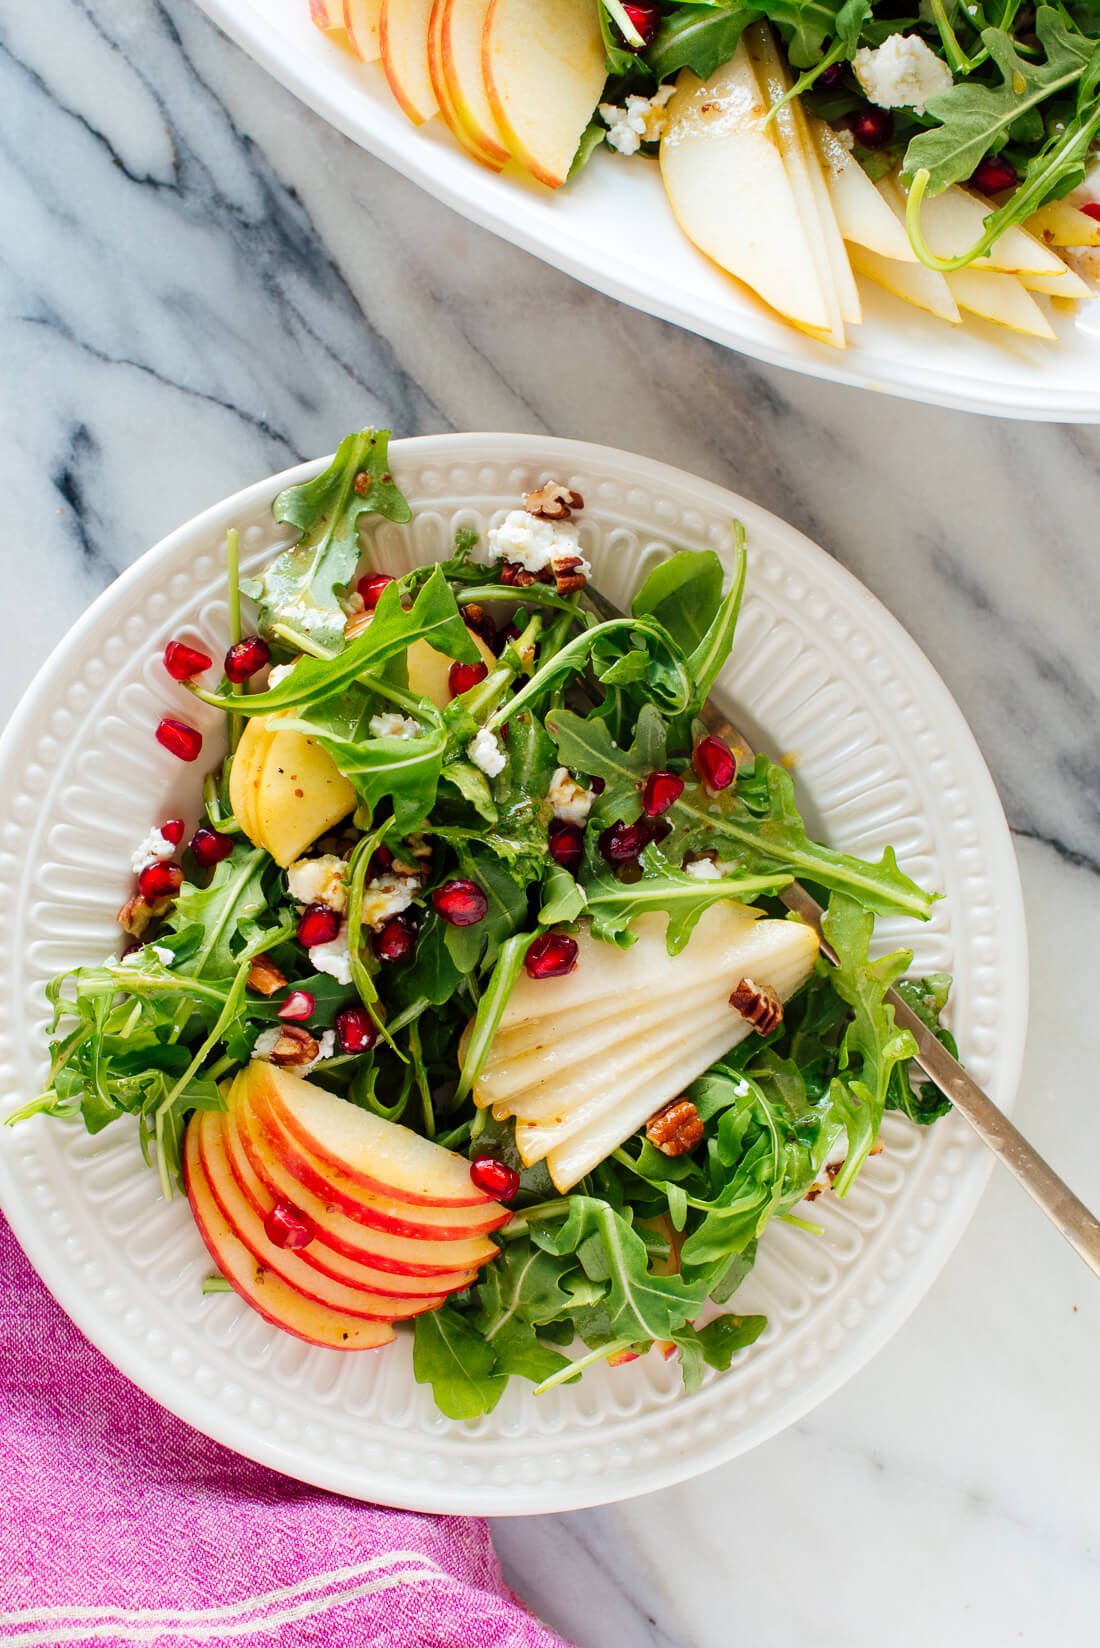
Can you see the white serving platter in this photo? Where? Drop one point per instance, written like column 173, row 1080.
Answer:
column 884, row 756
column 612, row 228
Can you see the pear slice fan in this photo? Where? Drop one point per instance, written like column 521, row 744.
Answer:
column 582, row 1062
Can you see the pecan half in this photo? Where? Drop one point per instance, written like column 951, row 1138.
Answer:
column 552, row 502
column 517, row 576
column 676, row 1129
column 476, row 618
column 567, row 576
column 759, row 1004
column 264, row 977
column 138, row 914
column 294, row 1046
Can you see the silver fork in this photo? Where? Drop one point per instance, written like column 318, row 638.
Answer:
column 1065, row 1211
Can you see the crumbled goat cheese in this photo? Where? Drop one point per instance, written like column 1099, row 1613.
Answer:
column 279, row 673
column 152, row 850
column 534, row 543
column 643, row 120
column 387, row 895
column 902, row 73
column 326, row 1046
column 319, row 881
column 266, row 1043
column 333, row 958
column 569, row 799
column 485, row 752
column 703, row 869
column 845, row 138
column 391, row 725
column 134, row 958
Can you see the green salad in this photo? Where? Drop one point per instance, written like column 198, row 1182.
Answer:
column 471, row 1001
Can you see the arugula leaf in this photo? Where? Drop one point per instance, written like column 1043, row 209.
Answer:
column 433, row 617
column 697, row 37
column 490, row 1009
column 451, row 1356
column 298, row 591
column 976, row 118
column 716, row 1344
column 586, row 745
column 684, row 594
column 614, row 904
column 405, row 771
column 214, row 915
column 873, row 1046
column 911, row 1092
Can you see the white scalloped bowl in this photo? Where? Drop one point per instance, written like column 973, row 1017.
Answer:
column 613, row 228
column 883, row 756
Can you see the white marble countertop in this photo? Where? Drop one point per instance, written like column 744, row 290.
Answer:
column 202, row 283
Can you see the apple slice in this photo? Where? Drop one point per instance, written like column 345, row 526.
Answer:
column 1001, row 299
column 326, row 15
column 461, row 37
column 863, row 216
column 284, row 1307
column 804, row 171
column 729, row 189
column 379, row 1157
column 285, row 1263
column 1060, row 223
column 403, row 42
column 437, row 1259
column 361, row 26
column 317, row 1254
column 544, row 70
column 447, row 107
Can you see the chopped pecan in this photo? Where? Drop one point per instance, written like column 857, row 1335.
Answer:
column 138, row 914
column 552, row 502
column 264, row 977
column 518, row 577
column 294, row 1046
column 362, row 483
column 567, row 576
column 476, row 618
column 676, row 1129
column 759, row 1004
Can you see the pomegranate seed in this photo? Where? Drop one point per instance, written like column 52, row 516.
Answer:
column 659, row 791
column 381, row 860
column 495, row 1178
column 317, row 924
column 993, row 174
column 566, row 843
column 287, row 1226
column 552, row 955
column 298, row 1006
column 177, row 736
column 646, row 18
column 597, row 785
column 182, row 661
column 872, row 128
column 370, row 587
column 160, row 880
column 460, row 903
column 244, row 658
column 210, row 846
column 395, row 940
column 623, row 843
column 1091, row 208
column 172, row 830
column 461, row 677
column 715, row 764
column 830, row 77
column 356, row 1031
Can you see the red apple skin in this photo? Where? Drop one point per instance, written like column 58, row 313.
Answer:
column 323, row 16
column 269, row 1297
column 256, row 1081
column 450, row 107
column 401, row 96
column 404, row 1255
column 283, row 1262
column 357, row 28
column 323, row 1176
column 619, row 1358
column 336, row 1266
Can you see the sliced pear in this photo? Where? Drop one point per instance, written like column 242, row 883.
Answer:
column 361, row 25
column 862, row 214
column 730, row 192
column 429, row 671
column 461, row 41
column 911, row 282
column 544, row 70
column 403, row 43
column 665, row 1019
column 285, row 790
column 1000, row 298
column 1060, row 223
column 1066, row 285
column 804, row 171
column 953, row 221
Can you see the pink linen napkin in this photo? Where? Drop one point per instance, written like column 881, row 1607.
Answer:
column 119, row 1525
